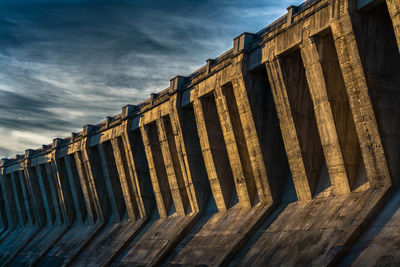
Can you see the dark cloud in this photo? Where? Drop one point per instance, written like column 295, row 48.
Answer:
column 65, row 64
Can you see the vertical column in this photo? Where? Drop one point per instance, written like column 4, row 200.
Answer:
column 394, row 11
column 33, row 190
column 160, row 198
column 9, row 203
column 220, row 195
column 86, row 188
column 324, row 117
column 182, row 155
column 115, row 207
column 3, row 208
column 126, row 183
column 133, row 172
column 288, row 129
column 27, row 200
column 360, row 102
column 18, row 199
column 79, row 208
column 45, row 194
column 87, row 165
column 241, row 99
column 54, row 194
column 240, row 176
column 172, row 167
column 66, row 208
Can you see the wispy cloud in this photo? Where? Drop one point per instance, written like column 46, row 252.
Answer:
column 65, row 64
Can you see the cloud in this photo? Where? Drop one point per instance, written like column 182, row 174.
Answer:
column 65, row 64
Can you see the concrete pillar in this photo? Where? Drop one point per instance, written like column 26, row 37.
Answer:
column 240, row 99
column 133, row 173
column 173, row 168
column 220, row 195
column 324, row 117
column 46, row 195
column 19, row 199
column 86, row 188
column 89, row 168
column 288, row 129
column 126, row 182
column 158, row 176
column 117, row 207
column 26, row 198
column 34, row 191
column 54, row 194
column 9, row 202
column 360, row 102
column 74, row 184
column 394, row 11
column 182, row 155
column 3, row 210
column 243, row 178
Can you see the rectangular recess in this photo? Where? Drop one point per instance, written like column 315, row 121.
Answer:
column 218, row 150
column 197, row 168
column 145, row 187
column 160, row 167
column 303, row 114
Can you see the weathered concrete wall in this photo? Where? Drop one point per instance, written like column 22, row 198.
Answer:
column 283, row 150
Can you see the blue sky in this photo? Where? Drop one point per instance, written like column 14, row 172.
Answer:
column 64, row 64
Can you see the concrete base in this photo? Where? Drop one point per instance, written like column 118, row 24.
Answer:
column 379, row 245
column 315, row 232
column 159, row 238
column 39, row 245
column 108, row 243
column 215, row 239
column 15, row 241
column 70, row 245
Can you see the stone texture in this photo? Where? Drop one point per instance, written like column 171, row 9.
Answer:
column 282, row 151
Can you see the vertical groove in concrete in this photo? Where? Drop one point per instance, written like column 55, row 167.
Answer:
column 241, row 100
column 89, row 199
column 77, row 198
column 199, row 183
column 360, row 102
column 126, row 182
column 27, row 201
column 9, row 202
column 4, row 211
column 19, row 199
column 214, row 152
column 158, row 179
column 182, row 154
column 394, row 11
column 3, row 214
column 172, row 165
column 208, row 156
column 241, row 176
column 54, row 194
column 63, row 189
column 133, row 171
column 324, row 117
column 44, row 188
column 88, row 165
column 341, row 111
column 114, row 194
column 140, row 166
column 34, row 192
column 288, row 130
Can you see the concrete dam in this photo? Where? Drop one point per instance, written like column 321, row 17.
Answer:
column 284, row 150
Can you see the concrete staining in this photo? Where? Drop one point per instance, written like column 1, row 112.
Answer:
column 283, row 150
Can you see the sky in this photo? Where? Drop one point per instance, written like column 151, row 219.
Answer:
column 65, row 64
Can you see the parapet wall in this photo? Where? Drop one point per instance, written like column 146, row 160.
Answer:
column 283, row 150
